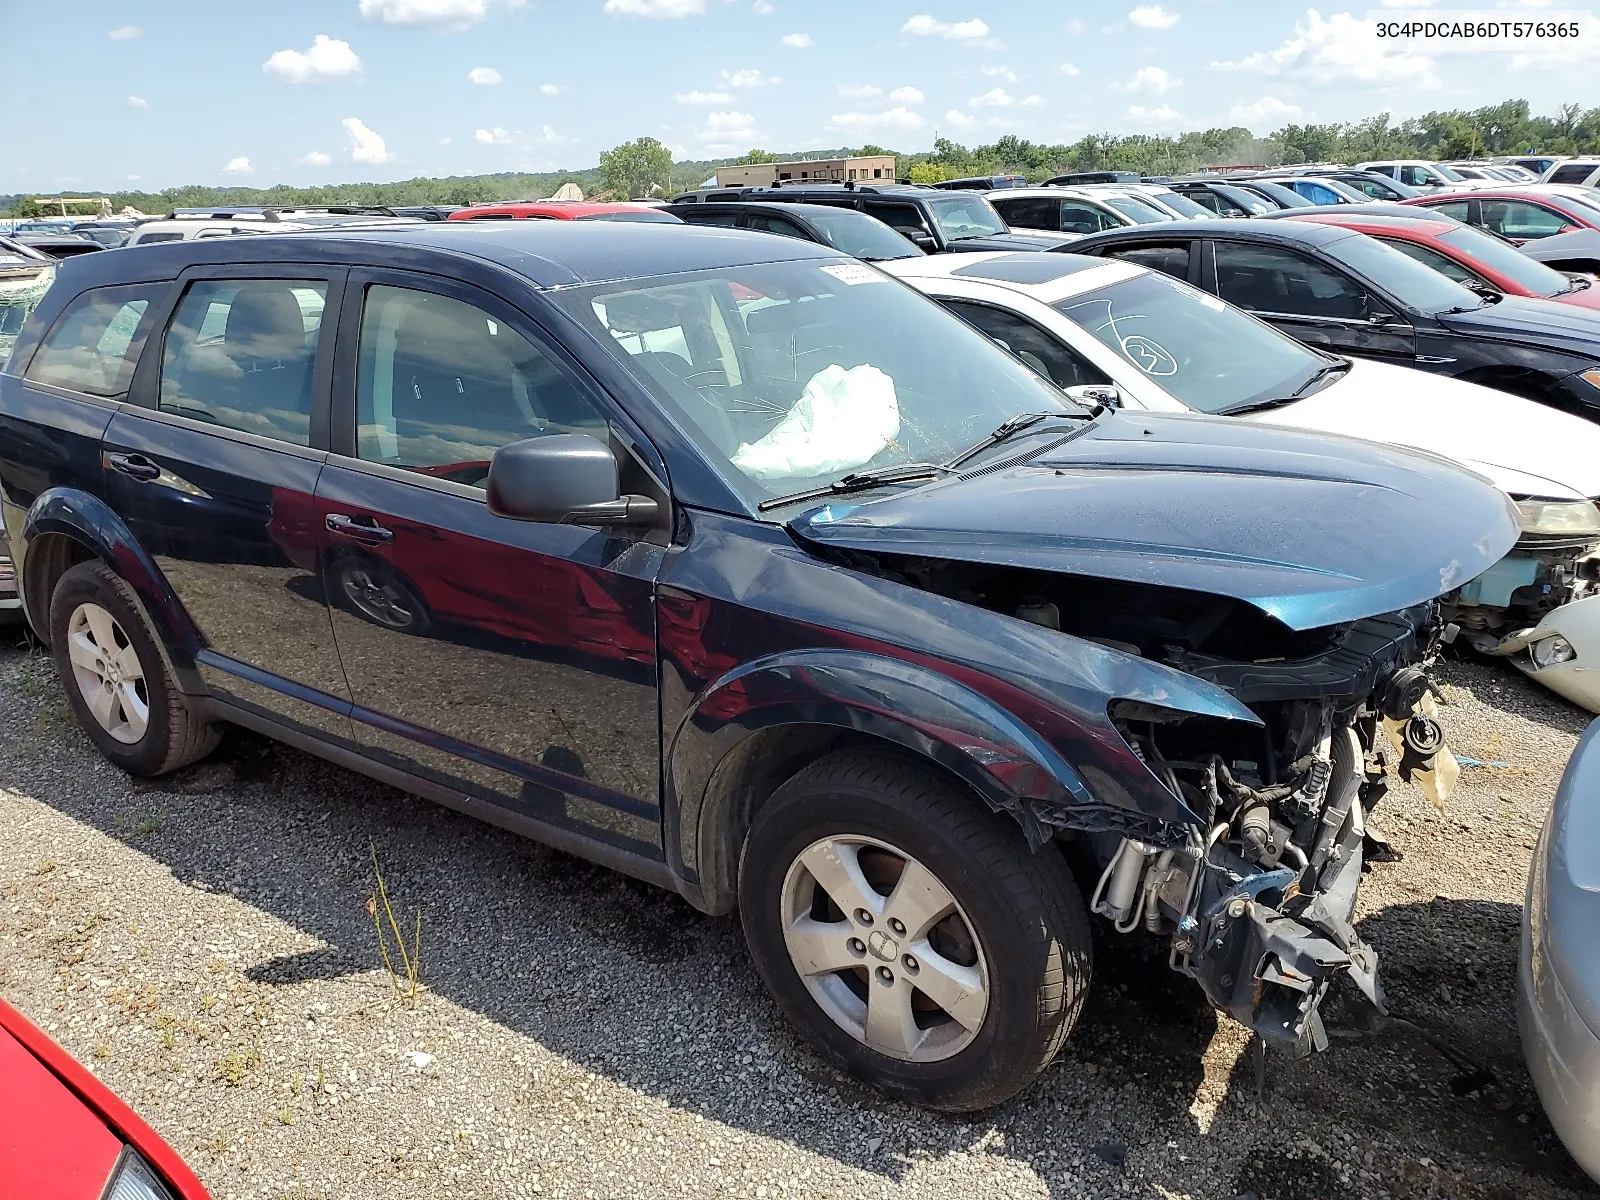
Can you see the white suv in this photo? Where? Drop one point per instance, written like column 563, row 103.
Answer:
column 1585, row 172
column 1429, row 176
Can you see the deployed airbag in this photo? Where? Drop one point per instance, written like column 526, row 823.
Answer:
column 842, row 420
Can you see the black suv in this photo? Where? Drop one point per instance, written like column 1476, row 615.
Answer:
column 937, row 222
column 846, row 230
column 730, row 562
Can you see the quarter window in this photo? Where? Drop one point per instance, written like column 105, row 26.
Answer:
column 88, row 349
column 242, row 354
column 1171, row 258
column 442, row 385
column 1265, row 279
column 1454, row 208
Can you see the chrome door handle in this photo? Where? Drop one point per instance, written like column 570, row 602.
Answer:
column 135, row 466
column 361, row 529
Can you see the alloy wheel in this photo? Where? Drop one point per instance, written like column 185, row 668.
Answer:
column 382, row 602
column 884, row 948
column 109, row 675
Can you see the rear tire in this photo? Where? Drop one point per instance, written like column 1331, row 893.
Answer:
column 116, row 680
column 953, row 991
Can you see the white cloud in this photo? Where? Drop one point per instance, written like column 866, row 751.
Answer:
column 315, row 158
column 365, row 145
column 797, row 41
column 138, row 102
column 1153, row 80
column 894, row 120
column 960, row 119
column 1153, row 16
column 1070, row 69
column 328, row 58
column 124, row 33
column 485, row 76
column 238, row 166
column 437, row 14
column 748, row 78
column 906, row 95
column 922, row 25
column 858, row 91
column 553, row 89
column 447, row 140
column 1075, row 26
column 1268, row 110
column 1033, row 101
column 1163, row 114
column 549, row 137
column 730, row 130
column 764, row 8
column 133, row 179
column 993, row 98
column 1340, row 49
column 666, row 9
column 1005, row 73
column 492, row 137
column 700, row 99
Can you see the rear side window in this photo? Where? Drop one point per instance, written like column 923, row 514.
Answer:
column 146, row 239
column 1171, row 259
column 1572, row 173
column 241, row 353
column 1031, row 212
column 90, row 349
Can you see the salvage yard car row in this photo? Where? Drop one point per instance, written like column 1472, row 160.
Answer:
column 914, row 628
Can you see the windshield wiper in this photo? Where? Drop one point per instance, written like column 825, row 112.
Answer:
column 1257, row 405
column 861, row 481
column 1279, row 401
column 1009, row 429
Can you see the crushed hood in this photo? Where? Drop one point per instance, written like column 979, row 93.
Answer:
column 1312, row 529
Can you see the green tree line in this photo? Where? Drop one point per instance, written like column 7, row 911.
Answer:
column 645, row 167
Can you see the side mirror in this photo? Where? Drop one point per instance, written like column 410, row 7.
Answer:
column 924, row 242
column 1091, row 394
column 562, row 479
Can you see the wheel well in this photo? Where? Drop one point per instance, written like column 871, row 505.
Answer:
column 50, row 556
column 746, row 778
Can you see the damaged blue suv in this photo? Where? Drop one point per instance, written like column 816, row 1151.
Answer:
column 737, row 566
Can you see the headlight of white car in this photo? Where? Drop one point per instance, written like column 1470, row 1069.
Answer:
column 134, row 1180
column 1563, row 517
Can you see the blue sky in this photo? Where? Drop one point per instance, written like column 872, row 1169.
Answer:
column 150, row 93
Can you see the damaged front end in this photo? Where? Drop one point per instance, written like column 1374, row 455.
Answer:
column 1539, row 606
column 1259, row 897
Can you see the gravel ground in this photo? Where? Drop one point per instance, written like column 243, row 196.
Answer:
column 204, row 945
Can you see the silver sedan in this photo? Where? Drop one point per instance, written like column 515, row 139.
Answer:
column 1558, row 986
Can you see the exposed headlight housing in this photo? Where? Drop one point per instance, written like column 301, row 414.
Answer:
column 132, row 1179
column 1592, row 375
column 1552, row 651
column 1561, row 518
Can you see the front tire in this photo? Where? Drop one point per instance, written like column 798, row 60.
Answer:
column 116, row 680
column 910, row 933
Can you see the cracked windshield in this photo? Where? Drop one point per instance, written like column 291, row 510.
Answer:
column 795, row 374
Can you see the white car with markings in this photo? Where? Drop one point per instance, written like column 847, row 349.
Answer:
column 1117, row 332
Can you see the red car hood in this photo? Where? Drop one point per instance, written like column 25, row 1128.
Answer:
column 1588, row 297
column 52, row 1145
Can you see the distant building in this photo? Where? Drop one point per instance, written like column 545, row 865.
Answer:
column 820, row 170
